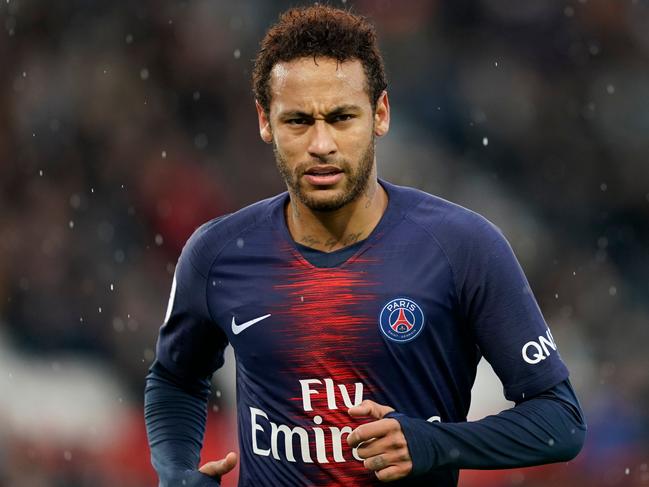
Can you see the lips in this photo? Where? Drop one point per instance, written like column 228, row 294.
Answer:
column 323, row 175
column 323, row 170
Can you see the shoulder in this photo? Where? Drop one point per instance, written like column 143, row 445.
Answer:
column 208, row 240
column 473, row 246
column 450, row 224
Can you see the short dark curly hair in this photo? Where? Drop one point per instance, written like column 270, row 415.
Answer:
column 319, row 31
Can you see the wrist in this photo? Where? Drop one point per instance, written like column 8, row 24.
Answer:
column 186, row 478
column 419, row 436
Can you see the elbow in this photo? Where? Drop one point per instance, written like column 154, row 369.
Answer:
column 572, row 444
column 573, row 436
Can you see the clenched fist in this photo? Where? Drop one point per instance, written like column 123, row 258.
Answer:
column 380, row 443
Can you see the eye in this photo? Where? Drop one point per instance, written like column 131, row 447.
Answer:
column 342, row 117
column 297, row 121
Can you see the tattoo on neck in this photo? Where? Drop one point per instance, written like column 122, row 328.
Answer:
column 351, row 238
column 331, row 242
column 369, row 194
column 310, row 240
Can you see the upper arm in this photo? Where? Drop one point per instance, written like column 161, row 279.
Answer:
column 190, row 343
column 498, row 305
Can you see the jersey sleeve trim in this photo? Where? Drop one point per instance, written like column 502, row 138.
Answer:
column 525, row 390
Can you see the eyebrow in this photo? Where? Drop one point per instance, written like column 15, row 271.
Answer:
column 335, row 111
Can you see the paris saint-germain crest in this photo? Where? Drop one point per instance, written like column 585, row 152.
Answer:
column 401, row 320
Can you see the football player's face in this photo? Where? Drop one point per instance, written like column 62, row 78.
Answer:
column 322, row 128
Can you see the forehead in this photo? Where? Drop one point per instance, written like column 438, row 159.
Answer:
column 308, row 82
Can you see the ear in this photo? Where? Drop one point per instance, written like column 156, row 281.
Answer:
column 382, row 115
column 264, row 124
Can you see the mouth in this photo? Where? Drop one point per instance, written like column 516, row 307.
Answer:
column 324, row 175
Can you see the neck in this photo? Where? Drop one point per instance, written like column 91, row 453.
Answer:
column 333, row 230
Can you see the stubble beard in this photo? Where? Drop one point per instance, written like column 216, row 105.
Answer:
column 356, row 180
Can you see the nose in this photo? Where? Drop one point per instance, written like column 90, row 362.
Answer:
column 321, row 142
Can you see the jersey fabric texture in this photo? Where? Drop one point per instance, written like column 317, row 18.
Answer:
column 403, row 321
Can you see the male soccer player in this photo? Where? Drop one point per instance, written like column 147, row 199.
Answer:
column 358, row 310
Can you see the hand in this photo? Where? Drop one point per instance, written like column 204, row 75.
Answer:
column 380, row 443
column 220, row 467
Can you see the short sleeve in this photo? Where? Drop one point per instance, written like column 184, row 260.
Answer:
column 190, row 343
column 498, row 305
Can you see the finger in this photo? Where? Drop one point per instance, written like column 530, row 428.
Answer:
column 389, row 443
column 363, row 409
column 393, row 472
column 220, row 467
column 375, row 429
column 385, row 460
column 371, row 409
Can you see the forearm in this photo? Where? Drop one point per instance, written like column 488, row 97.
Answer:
column 548, row 428
column 175, row 419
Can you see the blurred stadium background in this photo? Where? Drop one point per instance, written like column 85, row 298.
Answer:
column 124, row 125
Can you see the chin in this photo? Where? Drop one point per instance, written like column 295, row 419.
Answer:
column 322, row 202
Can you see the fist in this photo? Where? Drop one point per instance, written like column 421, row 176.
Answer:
column 381, row 442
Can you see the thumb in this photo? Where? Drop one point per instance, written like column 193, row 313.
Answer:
column 220, row 467
column 369, row 409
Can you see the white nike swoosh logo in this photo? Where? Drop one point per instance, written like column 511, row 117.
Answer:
column 236, row 329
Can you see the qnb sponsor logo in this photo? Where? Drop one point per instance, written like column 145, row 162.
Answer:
column 327, row 441
column 537, row 351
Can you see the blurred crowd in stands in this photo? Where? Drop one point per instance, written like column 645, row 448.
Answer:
column 123, row 126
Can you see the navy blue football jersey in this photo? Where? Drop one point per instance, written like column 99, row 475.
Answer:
column 403, row 321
